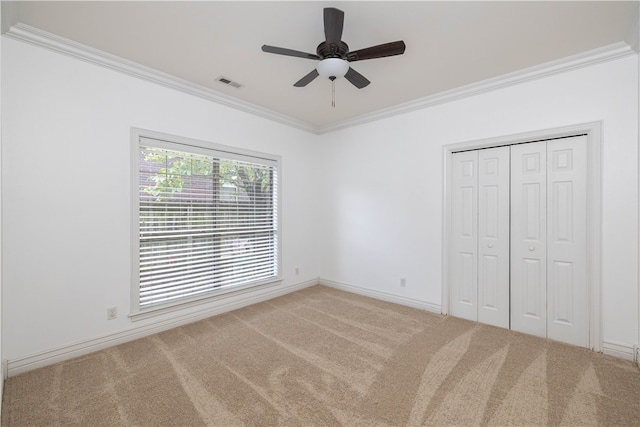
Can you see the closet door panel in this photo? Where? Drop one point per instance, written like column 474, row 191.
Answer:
column 566, row 249
column 529, row 238
column 493, row 236
column 463, row 269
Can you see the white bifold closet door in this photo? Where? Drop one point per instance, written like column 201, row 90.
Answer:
column 493, row 236
column 464, row 245
column 529, row 238
column 518, row 249
column 480, row 225
column 549, row 240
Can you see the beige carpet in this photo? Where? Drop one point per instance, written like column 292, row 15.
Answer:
column 325, row 357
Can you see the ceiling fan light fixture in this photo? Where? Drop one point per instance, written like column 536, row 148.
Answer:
column 332, row 68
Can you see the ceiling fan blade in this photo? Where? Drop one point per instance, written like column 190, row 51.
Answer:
column 307, row 79
column 379, row 51
column 333, row 22
column 356, row 79
column 289, row 52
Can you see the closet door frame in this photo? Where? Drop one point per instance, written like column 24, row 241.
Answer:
column 593, row 132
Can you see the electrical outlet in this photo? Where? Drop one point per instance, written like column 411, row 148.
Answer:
column 112, row 313
column 403, row 282
column 297, row 271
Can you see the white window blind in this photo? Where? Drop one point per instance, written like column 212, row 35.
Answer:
column 207, row 221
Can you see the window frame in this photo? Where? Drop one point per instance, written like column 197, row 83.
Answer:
column 178, row 143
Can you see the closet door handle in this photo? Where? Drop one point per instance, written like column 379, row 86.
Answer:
column 531, row 248
column 490, row 245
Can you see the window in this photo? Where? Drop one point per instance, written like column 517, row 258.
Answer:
column 207, row 220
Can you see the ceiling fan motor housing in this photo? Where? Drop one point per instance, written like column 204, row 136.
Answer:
column 326, row 50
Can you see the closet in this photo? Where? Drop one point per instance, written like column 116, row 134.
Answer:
column 518, row 240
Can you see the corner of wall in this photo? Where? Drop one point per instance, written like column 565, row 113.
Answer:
column 633, row 34
column 4, row 7
column 9, row 14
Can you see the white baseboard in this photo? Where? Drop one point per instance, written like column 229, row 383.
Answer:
column 411, row 302
column 16, row 366
column 616, row 349
column 621, row 350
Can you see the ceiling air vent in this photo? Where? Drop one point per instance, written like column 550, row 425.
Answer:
column 228, row 82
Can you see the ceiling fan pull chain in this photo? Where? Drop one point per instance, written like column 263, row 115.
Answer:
column 333, row 93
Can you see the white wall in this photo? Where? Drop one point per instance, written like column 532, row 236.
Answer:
column 361, row 206
column 382, row 192
column 66, row 191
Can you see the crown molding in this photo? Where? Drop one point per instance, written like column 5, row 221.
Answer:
column 88, row 54
column 37, row 37
column 573, row 62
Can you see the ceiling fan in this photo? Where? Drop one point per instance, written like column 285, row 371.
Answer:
column 334, row 54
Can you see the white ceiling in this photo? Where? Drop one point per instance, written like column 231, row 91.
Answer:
column 449, row 44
